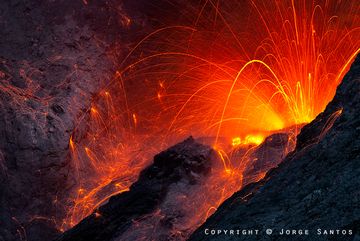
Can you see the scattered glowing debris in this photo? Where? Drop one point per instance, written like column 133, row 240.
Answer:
column 71, row 143
column 134, row 119
column 97, row 214
column 279, row 81
column 93, row 110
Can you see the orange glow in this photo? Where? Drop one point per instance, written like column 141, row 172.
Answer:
column 134, row 118
column 249, row 139
column 71, row 143
column 236, row 141
column 93, row 110
column 330, row 122
column 233, row 75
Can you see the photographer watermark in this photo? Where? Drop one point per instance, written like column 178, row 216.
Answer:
column 278, row 231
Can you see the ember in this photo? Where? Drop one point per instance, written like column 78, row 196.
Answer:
column 237, row 73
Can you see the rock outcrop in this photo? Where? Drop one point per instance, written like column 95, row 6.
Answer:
column 184, row 164
column 173, row 195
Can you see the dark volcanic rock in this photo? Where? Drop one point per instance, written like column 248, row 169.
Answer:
column 53, row 59
column 186, row 162
column 315, row 187
column 267, row 155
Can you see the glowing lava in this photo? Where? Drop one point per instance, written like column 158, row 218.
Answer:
column 249, row 139
column 238, row 67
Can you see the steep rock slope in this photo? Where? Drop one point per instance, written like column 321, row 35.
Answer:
column 53, row 59
column 315, row 187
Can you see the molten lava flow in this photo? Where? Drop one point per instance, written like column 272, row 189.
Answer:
column 249, row 139
column 236, row 72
